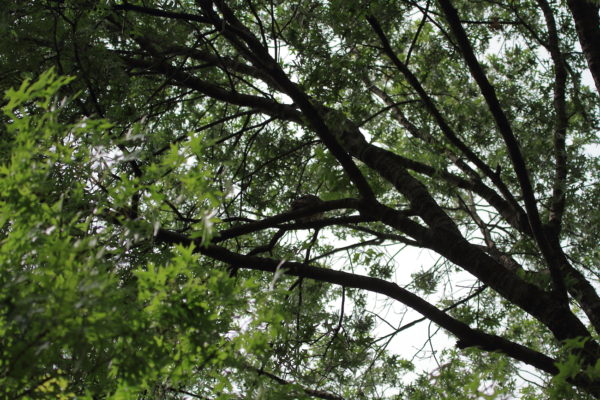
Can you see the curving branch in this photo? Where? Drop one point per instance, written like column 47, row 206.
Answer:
column 467, row 336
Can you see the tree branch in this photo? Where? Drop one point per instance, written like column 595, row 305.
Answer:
column 548, row 310
column 441, row 122
column 557, row 205
column 511, row 211
column 587, row 22
column 160, row 13
column 271, row 222
column 179, row 78
column 467, row 336
column 505, row 129
column 321, row 394
column 255, row 52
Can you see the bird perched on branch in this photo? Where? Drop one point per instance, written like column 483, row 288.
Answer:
column 307, row 200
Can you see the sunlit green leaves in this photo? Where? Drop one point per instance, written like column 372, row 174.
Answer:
column 69, row 323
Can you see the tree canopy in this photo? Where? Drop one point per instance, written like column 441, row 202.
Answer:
column 201, row 199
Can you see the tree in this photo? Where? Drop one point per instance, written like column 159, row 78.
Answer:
column 149, row 244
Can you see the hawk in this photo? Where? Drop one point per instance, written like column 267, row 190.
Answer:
column 307, row 200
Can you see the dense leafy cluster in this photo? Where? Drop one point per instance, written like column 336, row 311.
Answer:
column 156, row 157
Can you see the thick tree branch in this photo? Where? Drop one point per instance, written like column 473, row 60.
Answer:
column 543, row 306
column 587, row 22
column 563, row 324
column 391, row 167
column 514, row 151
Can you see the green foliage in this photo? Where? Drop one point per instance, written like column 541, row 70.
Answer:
column 71, row 326
column 145, row 147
